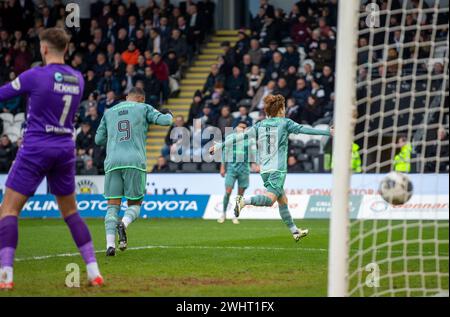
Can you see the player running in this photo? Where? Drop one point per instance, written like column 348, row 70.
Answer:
column 272, row 137
column 236, row 168
column 124, row 129
column 54, row 93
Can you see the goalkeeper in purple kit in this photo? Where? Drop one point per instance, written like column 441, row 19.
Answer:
column 54, row 94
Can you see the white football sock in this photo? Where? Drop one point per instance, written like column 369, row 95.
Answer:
column 126, row 221
column 92, row 270
column 110, row 241
column 294, row 229
column 247, row 200
column 6, row 274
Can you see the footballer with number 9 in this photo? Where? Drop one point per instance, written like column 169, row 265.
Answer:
column 124, row 130
column 48, row 150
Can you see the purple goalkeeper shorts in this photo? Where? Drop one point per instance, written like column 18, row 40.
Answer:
column 32, row 164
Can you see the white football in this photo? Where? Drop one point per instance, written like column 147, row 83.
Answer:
column 396, row 188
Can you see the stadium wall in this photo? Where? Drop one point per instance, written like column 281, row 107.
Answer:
column 178, row 196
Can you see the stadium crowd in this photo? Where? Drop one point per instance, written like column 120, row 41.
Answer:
column 123, row 45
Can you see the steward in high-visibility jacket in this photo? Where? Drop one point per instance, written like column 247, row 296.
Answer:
column 402, row 161
column 355, row 163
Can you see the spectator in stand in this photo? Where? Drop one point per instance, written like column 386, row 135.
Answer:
column 85, row 140
column 161, row 166
column 307, row 71
column 229, row 57
column 141, row 41
column 276, row 68
column 207, row 116
column 196, row 30
column 108, row 102
column 292, row 56
column 326, row 80
column 324, row 28
column 172, row 62
column 89, row 167
column 213, row 78
column 291, row 78
column 282, row 88
column 196, row 106
column 263, row 92
column 242, row 45
column 161, row 71
column 90, row 84
column 302, row 93
column 254, row 80
column 131, row 55
column 92, row 118
column 119, row 67
column 122, row 41
column 312, row 111
column 437, row 153
column 293, row 165
column 323, row 56
column 243, row 117
column 236, row 85
column 270, row 31
column 178, row 44
column 255, row 52
column 300, row 32
column 152, row 87
column 101, row 65
column 268, row 56
column 318, row 92
column 129, row 79
column 169, row 142
column 225, row 119
column 154, row 44
column 109, row 83
column 246, row 64
column 293, row 110
column 7, row 150
column 22, row 57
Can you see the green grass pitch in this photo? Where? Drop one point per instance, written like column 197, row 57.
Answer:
column 175, row 257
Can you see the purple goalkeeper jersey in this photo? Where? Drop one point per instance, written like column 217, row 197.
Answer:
column 54, row 94
column 48, row 150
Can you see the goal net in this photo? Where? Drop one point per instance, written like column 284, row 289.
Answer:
column 394, row 95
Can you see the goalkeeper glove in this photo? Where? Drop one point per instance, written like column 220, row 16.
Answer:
column 166, row 111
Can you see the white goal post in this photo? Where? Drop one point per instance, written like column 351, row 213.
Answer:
column 392, row 96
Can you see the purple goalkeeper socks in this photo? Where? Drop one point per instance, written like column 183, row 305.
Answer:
column 82, row 237
column 9, row 236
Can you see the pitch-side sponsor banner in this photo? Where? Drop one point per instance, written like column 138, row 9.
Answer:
column 42, row 189
column 319, row 207
column 89, row 184
column 297, row 206
column 296, row 184
column 94, row 206
column 426, row 207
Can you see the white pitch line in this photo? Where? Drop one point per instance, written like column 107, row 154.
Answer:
column 63, row 255
column 199, row 247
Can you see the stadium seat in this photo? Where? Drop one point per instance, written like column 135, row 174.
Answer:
column 246, row 103
column 254, row 115
column 13, row 137
column 174, row 167
column 313, row 148
column 302, row 157
column 13, row 129
column 236, row 114
column 209, row 167
column 189, row 167
column 20, row 117
column 308, row 166
column 7, row 117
